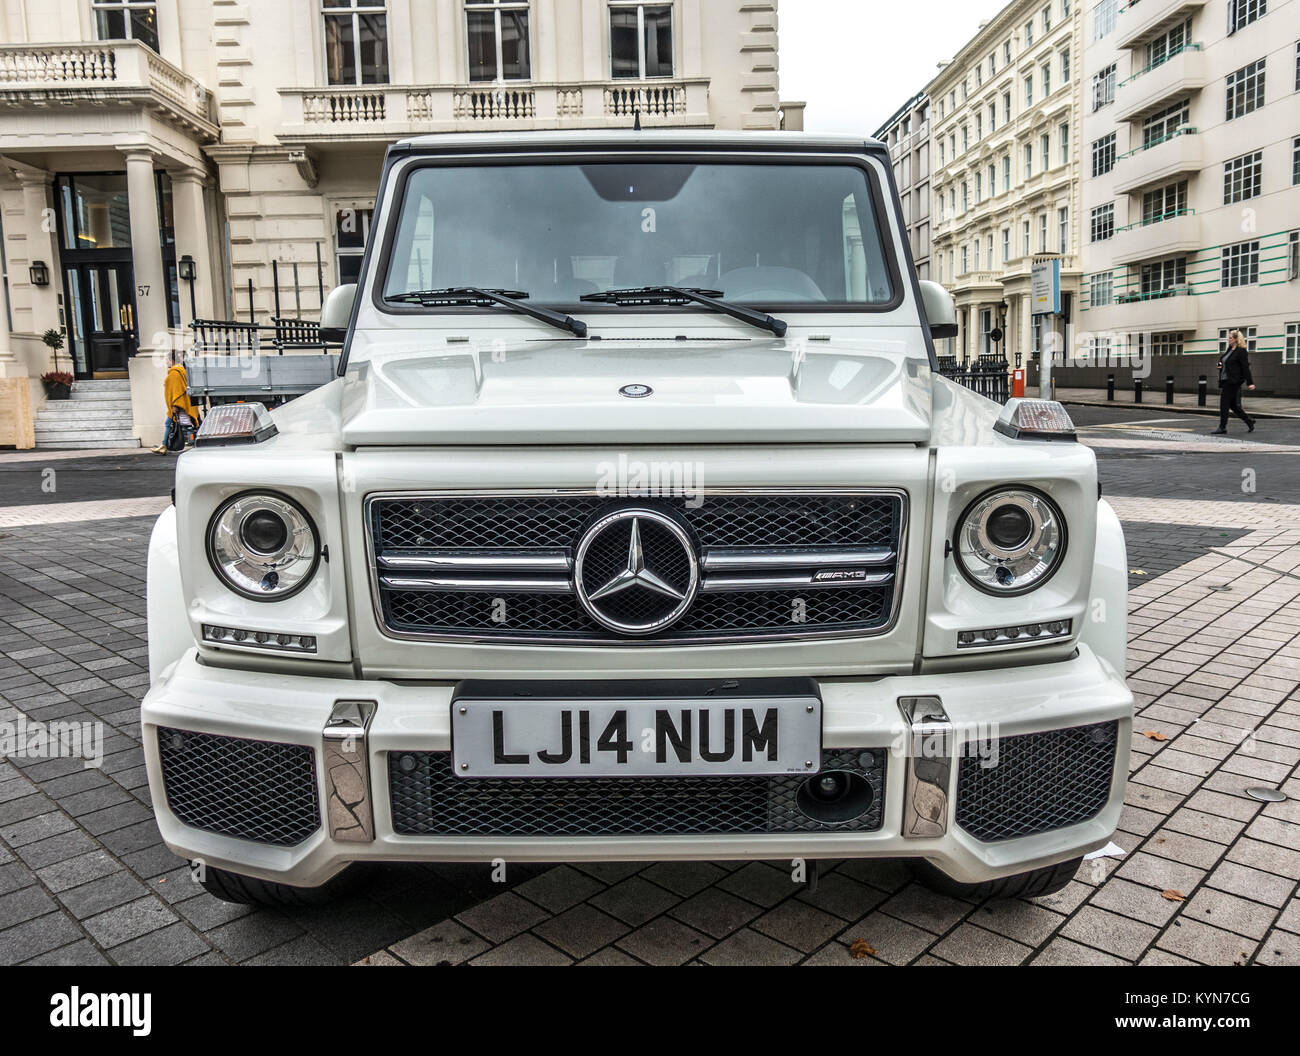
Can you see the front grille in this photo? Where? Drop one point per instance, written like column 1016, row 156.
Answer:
column 1041, row 781
column 427, row 799
column 810, row 530
column 253, row 790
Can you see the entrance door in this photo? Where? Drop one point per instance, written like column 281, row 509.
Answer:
column 102, row 317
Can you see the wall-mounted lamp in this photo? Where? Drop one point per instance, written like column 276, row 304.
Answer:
column 185, row 269
column 39, row 273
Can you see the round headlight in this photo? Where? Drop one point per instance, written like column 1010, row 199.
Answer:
column 263, row 546
column 1010, row 540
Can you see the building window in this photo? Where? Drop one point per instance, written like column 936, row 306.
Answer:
column 965, row 259
column 356, row 42
column 1245, row 89
column 1065, row 144
column 943, row 154
column 1103, row 87
column 979, row 188
column 1291, row 352
column 1045, row 142
column 1047, row 79
column 1242, row 177
column 1006, row 172
column 1164, row 276
column 1240, row 265
column 1065, row 66
column 1103, row 18
column 993, row 181
column 979, row 127
column 1242, row 13
column 1024, row 231
column 641, row 40
column 1164, row 202
column 1170, row 344
column 1063, row 230
column 1297, row 66
column 965, row 196
column 993, row 117
column 1169, row 44
column 1006, row 108
column 1250, row 333
column 4, row 280
column 1047, row 19
column 498, row 40
column 1029, row 34
column 979, row 76
column 1042, row 232
column 1165, row 123
column 1006, row 244
column 126, row 20
column 351, row 231
column 1101, row 289
column 1102, row 223
column 965, row 138
column 1029, row 91
column 1292, row 256
column 1103, row 154
column 1029, row 160
column 1006, row 53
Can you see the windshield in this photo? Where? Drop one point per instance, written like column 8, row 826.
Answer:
column 761, row 233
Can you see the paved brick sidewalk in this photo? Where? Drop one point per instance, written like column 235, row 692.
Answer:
column 1215, row 626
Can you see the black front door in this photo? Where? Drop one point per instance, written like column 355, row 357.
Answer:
column 101, row 318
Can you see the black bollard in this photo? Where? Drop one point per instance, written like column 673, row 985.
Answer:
column 1201, row 386
column 1169, row 388
column 1110, row 387
column 1137, row 390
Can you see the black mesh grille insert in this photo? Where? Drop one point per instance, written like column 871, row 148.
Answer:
column 253, row 790
column 429, row 800
column 1041, row 781
column 805, row 523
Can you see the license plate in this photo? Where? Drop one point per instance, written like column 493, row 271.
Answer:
column 652, row 737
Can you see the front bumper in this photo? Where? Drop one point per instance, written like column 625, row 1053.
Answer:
column 415, row 718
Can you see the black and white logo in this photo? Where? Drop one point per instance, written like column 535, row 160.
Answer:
column 840, row 575
column 635, row 571
column 635, row 391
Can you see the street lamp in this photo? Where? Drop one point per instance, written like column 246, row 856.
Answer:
column 185, row 269
column 39, row 272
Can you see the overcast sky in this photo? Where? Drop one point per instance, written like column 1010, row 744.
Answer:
column 857, row 61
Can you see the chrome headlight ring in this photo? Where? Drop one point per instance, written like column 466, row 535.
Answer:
column 1009, row 540
column 263, row 546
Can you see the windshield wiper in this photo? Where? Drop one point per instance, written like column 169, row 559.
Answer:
column 684, row 294
column 477, row 295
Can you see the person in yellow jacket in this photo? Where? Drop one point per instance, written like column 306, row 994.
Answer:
column 181, row 413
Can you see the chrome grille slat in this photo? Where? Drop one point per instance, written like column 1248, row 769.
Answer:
column 498, row 567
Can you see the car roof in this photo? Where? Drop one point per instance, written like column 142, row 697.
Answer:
column 653, row 139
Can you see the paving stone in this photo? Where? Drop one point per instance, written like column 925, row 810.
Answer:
column 22, row 905
column 684, row 878
column 664, row 941
column 634, row 900
column 522, row 949
column 1109, row 932
column 72, row 872
column 1134, row 900
column 843, row 896
column 1166, row 843
column 1251, row 883
column 38, row 936
column 502, row 917
column 254, row 934
column 1223, row 910
column 762, row 883
column 1280, row 948
column 895, row 941
column 798, row 925
column 926, row 909
column 174, row 944
column 1160, row 873
column 1204, row 944
column 445, row 943
column 559, row 888
column 750, row 947
column 1026, row 922
column 106, row 893
column 968, row 944
column 81, row 953
column 581, row 931
column 128, row 921
column 1062, row 951
column 715, row 912
column 610, row 957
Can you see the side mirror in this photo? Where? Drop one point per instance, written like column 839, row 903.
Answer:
column 337, row 312
column 940, row 311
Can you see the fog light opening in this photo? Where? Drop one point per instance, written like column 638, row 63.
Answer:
column 835, row 797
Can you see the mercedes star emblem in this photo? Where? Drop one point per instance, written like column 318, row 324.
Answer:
column 636, row 391
column 635, row 571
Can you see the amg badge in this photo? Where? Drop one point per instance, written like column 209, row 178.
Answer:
column 840, row 575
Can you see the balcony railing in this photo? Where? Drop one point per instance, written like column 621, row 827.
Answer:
column 100, row 71
column 381, row 111
column 1159, row 62
column 1181, row 130
column 1152, row 295
column 1148, row 221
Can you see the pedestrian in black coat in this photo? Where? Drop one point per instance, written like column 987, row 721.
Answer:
column 1234, row 372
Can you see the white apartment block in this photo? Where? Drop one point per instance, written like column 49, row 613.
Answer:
column 907, row 134
column 1191, row 195
column 1004, row 118
column 162, row 160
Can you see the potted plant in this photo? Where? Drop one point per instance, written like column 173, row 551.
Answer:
column 58, row 383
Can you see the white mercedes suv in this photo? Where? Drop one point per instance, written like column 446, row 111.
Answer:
column 638, row 524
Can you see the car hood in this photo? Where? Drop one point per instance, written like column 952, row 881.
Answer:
column 586, row 392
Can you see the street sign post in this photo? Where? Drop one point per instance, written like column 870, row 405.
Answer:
column 1045, row 299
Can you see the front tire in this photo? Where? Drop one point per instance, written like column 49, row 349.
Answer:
column 250, row 891
column 1034, row 884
